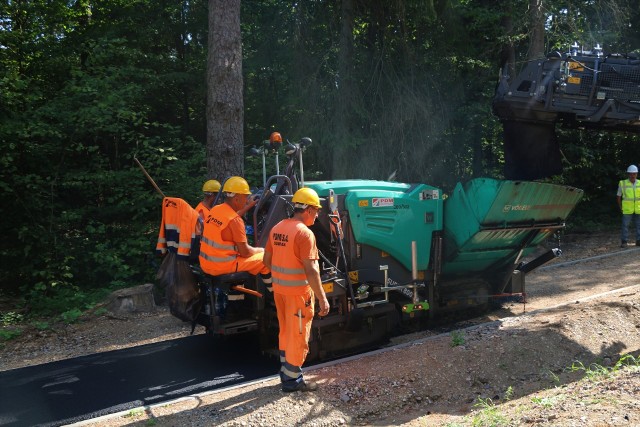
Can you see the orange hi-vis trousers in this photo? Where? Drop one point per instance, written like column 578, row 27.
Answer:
column 295, row 314
column 252, row 265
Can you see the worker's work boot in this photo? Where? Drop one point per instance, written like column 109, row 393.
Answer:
column 302, row 386
column 623, row 244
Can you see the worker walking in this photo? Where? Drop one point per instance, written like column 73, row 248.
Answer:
column 224, row 248
column 629, row 203
column 292, row 255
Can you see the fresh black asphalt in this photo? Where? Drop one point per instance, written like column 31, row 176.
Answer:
column 86, row 387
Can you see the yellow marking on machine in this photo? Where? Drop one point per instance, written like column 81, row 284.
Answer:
column 354, row 276
column 328, row 287
column 576, row 66
column 363, row 203
column 573, row 80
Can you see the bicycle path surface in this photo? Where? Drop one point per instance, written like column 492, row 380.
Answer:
column 73, row 390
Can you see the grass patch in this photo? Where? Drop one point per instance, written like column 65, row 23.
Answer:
column 508, row 394
column 595, row 371
column 100, row 311
column 489, row 415
column 71, row 316
column 9, row 334
column 41, row 325
column 457, row 338
column 545, row 402
column 134, row 413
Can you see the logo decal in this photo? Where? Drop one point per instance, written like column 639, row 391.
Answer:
column 382, row 201
column 510, row 208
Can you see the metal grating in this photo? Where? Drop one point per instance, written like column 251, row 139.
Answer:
column 620, row 82
column 586, row 81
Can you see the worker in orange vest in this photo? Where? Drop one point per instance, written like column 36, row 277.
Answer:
column 292, row 255
column 210, row 190
column 224, row 248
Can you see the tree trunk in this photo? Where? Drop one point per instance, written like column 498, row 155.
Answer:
column 341, row 158
column 536, row 48
column 225, row 108
column 508, row 54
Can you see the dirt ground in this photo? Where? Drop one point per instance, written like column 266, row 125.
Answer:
column 561, row 359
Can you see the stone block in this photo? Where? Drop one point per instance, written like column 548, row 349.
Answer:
column 130, row 300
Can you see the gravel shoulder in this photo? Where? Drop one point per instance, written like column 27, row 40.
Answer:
column 514, row 370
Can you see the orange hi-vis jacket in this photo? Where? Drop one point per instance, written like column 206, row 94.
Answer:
column 178, row 227
column 287, row 269
column 202, row 210
column 217, row 256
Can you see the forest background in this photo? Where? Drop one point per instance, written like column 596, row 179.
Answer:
column 382, row 87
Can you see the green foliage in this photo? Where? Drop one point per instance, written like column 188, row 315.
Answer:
column 508, row 394
column 595, row 371
column 134, row 413
column 545, row 402
column 9, row 334
column 489, row 415
column 457, row 338
column 10, row 318
column 41, row 325
column 100, row 312
column 85, row 88
column 71, row 316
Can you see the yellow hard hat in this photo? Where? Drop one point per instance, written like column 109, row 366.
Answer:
column 307, row 196
column 237, row 185
column 211, row 186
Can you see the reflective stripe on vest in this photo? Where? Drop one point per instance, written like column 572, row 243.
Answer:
column 283, row 276
column 630, row 198
column 219, row 246
column 286, row 269
column 217, row 254
column 177, row 229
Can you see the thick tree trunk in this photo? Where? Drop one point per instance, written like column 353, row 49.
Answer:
column 225, row 108
column 508, row 54
column 536, row 48
column 341, row 157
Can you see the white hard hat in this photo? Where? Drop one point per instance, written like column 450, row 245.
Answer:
column 632, row 169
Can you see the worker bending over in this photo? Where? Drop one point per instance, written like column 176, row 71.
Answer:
column 292, row 255
column 224, row 248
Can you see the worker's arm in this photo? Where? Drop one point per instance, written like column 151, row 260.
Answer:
column 251, row 202
column 266, row 260
column 312, row 270
column 619, row 198
column 239, row 237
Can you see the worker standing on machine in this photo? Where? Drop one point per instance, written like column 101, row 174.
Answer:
column 629, row 203
column 292, row 255
column 224, row 248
